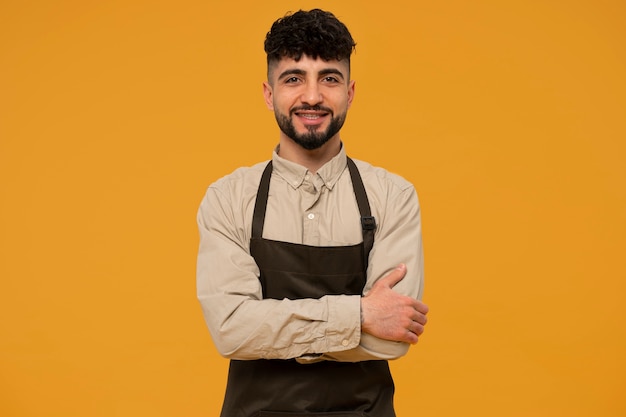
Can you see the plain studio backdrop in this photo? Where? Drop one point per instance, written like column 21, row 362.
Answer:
column 508, row 116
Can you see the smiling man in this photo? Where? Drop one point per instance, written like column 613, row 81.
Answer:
column 310, row 266
column 311, row 94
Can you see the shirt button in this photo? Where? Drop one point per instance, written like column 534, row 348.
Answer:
column 345, row 342
column 311, row 216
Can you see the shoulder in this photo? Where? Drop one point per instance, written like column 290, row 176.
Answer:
column 230, row 200
column 377, row 178
column 233, row 193
column 240, row 180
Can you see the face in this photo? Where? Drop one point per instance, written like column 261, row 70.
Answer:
column 310, row 99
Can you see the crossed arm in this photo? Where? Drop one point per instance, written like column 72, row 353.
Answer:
column 389, row 315
column 381, row 324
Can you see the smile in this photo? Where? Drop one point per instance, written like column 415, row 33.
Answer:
column 310, row 116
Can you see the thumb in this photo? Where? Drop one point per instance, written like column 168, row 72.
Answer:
column 393, row 277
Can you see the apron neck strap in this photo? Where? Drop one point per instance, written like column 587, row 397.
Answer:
column 258, row 219
column 368, row 222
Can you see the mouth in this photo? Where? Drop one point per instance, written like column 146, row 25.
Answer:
column 311, row 116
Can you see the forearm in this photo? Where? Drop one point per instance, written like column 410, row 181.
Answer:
column 370, row 348
column 246, row 329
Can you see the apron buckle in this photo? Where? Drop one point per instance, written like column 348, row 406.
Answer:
column 368, row 222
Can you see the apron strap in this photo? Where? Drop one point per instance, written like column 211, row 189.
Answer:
column 258, row 219
column 368, row 222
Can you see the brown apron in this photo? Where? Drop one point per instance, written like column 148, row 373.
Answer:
column 273, row 388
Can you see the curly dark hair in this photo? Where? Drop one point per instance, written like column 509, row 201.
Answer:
column 315, row 33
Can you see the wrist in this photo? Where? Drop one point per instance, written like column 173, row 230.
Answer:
column 363, row 315
column 361, row 312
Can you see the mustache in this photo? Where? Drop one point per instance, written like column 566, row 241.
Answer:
column 310, row 108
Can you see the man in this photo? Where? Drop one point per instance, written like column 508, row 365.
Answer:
column 310, row 266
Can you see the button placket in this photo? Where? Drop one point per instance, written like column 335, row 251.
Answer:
column 311, row 195
column 311, row 228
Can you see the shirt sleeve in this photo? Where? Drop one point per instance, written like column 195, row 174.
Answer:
column 242, row 324
column 398, row 240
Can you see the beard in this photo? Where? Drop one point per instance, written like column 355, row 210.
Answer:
column 314, row 138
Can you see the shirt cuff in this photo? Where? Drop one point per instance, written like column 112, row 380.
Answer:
column 344, row 323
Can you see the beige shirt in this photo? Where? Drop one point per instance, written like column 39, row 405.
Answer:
column 309, row 209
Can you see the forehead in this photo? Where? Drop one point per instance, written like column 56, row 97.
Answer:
column 308, row 65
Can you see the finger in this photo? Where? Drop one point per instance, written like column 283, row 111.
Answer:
column 421, row 307
column 420, row 318
column 417, row 328
column 411, row 337
column 392, row 278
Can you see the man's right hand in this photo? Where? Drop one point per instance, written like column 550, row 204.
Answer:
column 389, row 315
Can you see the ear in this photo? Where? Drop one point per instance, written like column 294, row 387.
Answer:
column 351, row 92
column 268, row 93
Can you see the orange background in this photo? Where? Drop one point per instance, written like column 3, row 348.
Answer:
column 508, row 117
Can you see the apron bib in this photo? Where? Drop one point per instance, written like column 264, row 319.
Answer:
column 285, row 388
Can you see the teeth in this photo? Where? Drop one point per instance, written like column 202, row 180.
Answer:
column 310, row 116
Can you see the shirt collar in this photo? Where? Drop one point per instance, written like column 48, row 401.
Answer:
column 295, row 173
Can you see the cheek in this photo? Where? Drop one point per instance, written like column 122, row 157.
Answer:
column 343, row 102
column 282, row 104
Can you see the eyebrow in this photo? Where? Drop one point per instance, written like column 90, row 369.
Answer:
column 297, row 71
column 328, row 71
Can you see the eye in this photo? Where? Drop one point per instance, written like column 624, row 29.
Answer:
column 291, row 80
column 331, row 79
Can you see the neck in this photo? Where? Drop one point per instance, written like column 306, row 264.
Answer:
column 311, row 159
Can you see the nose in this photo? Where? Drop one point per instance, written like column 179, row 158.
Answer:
column 312, row 94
